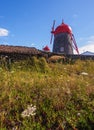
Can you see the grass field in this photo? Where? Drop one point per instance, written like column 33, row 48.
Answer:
column 36, row 95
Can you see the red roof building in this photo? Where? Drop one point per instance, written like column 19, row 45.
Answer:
column 64, row 41
column 46, row 48
column 63, row 28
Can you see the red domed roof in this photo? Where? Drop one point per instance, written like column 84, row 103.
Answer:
column 62, row 28
column 46, row 48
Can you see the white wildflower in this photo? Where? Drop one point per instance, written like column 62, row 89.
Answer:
column 84, row 73
column 30, row 111
column 78, row 114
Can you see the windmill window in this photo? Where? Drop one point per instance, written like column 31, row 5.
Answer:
column 61, row 49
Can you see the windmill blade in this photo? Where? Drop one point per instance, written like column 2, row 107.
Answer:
column 75, row 45
column 52, row 33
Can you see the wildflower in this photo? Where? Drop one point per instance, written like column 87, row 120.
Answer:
column 30, row 111
column 78, row 114
column 84, row 73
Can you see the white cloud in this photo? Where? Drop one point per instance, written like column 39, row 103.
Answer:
column 88, row 44
column 88, row 47
column 32, row 44
column 3, row 32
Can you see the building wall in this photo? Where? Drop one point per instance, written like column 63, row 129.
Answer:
column 62, row 43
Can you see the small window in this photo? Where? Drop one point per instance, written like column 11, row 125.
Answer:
column 62, row 49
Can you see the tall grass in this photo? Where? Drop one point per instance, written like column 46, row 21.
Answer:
column 61, row 93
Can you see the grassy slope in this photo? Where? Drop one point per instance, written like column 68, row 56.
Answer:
column 62, row 94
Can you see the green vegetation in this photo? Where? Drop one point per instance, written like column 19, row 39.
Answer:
column 36, row 95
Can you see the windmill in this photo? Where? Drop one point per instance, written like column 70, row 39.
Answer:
column 64, row 41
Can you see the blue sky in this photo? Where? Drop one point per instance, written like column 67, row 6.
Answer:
column 29, row 22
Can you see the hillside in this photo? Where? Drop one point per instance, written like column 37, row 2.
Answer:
column 36, row 95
